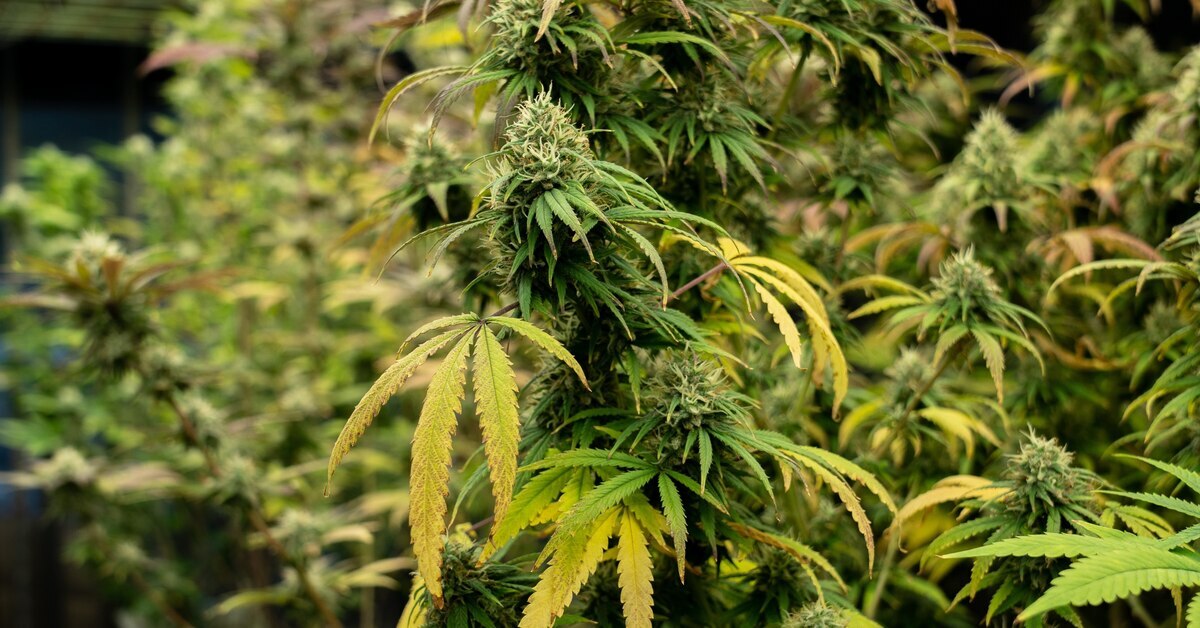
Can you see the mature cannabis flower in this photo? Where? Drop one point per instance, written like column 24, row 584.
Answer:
column 687, row 392
column 67, row 467
column 1042, row 478
column 515, row 43
column 1186, row 92
column 816, row 615
column 544, row 147
column 859, row 168
column 433, row 174
column 1060, row 148
column 115, row 318
column 94, row 250
column 987, row 165
column 1144, row 65
column 911, row 370
column 966, row 285
column 497, row 590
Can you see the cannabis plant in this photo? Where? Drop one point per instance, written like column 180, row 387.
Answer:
column 739, row 298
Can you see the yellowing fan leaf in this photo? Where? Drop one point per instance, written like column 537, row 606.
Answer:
column 431, row 465
column 635, row 573
column 825, row 345
column 848, row 498
column 543, row 340
column 575, row 560
column 798, row 550
column 789, row 276
column 952, row 489
column 536, row 495
column 993, row 355
column 787, row 327
column 496, row 403
column 441, row 323
column 381, row 391
column 732, row 249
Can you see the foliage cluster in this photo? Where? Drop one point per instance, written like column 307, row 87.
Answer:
column 765, row 312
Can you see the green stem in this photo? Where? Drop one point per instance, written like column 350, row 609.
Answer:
column 786, row 98
column 885, row 572
column 920, row 393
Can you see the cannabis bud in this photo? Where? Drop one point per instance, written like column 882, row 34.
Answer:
column 987, row 165
column 543, row 147
column 1060, row 149
column 1042, row 478
column 568, row 46
column 965, row 286
column 689, row 392
column 909, row 372
column 816, row 615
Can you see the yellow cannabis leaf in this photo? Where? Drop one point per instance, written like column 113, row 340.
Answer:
column 804, row 554
column 769, row 278
column 382, row 390
column 543, row 340
column 428, row 485
column 536, row 496
column 496, row 403
column 495, row 392
column 570, row 567
column 635, row 573
column 952, row 489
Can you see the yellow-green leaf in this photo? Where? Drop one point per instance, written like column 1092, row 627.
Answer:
column 993, row 356
column 382, row 390
column 543, row 340
column 825, row 345
column 787, row 327
column 798, row 550
column 575, row 560
column 533, row 498
column 496, row 403
column 428, row 484
column 676, row 518
column 441, row 323
column 635, row 573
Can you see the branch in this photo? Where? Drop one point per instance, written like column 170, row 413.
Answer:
column 712, row 272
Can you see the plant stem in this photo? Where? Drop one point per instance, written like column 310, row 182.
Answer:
column 786, row 98
column 712, row 272
column 920, row 393
column 256, row 517
column 482, row 522
column 885, row 572
column 504, row 310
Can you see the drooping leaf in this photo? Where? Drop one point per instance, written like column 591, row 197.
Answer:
column 381, row 391
column 635, row 573
column 429, row 482
column 570, row 567
column 496, row 402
